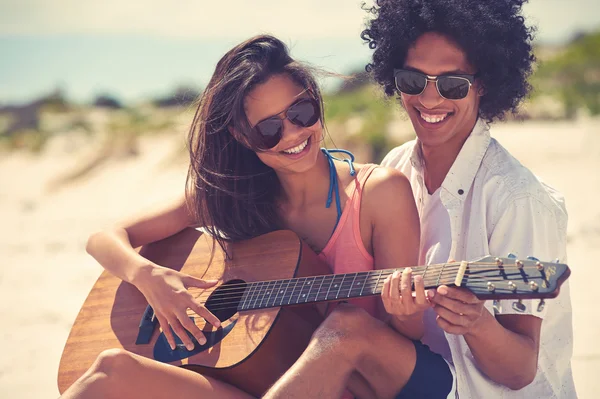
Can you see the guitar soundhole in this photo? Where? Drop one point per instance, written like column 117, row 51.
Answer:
column 224, row 301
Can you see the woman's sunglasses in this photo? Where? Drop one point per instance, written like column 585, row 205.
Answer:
column 305, row 112
column 450, row 87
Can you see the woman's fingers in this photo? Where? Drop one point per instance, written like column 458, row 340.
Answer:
column 180, row 332
column 395, row 286
column 164, row 325
column 189, row 325
column 203, row 312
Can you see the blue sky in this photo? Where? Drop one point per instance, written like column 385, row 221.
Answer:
column 134, row 48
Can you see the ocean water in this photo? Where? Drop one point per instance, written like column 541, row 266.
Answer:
column 134, row 68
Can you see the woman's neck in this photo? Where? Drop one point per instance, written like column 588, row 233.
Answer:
column 304, row 189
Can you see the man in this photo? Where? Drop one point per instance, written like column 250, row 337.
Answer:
column 459, row 65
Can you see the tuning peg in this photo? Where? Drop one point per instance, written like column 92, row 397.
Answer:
column 556, row 260
column 532, row 258
column 511, row 256
column 518, row 306
column 497, row 307
column 541, row 305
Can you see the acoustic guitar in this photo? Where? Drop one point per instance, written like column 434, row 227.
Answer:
column 262, row 282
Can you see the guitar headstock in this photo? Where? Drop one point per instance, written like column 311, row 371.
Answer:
column 511, row 278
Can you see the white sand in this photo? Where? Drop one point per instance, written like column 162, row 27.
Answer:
column 45, row 274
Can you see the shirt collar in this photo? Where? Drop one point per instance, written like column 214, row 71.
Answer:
column 460, row 177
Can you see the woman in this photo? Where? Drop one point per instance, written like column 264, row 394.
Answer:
column 255, row 167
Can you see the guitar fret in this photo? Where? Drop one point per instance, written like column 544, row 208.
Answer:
column 328, row 278
column 364, row 282
column 341, row 285
column 284, row 291
column 269, row 289
column 245, row 296
column 440, row 275
column 258, row 294
column 311, row 284
column 377, row 283
column 276, row 290
column 316, row 294
column 293, row 289
column 329, row 289
column 302, row 286
column 252, row 290
column 351, row 285
column 424, row 274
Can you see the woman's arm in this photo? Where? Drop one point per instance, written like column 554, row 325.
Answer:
column 114, row 249
column 396, row 232
column 164, row 288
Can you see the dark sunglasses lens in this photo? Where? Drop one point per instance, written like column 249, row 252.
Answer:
column 409, row 82
column 453, row 88
column 269, row 132
column 304, row 113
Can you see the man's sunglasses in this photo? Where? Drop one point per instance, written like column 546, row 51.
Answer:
column 450, row 87
column 305, row 112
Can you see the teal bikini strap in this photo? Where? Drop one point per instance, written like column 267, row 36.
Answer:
column 333, row 181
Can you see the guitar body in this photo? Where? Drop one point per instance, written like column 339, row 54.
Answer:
column 259, row 345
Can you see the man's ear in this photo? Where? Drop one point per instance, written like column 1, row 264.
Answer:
column 481, row 91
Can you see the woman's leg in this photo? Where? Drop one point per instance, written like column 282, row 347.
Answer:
column 117, row 373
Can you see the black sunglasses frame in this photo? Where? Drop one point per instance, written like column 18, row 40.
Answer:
column 469, row 79
column 263, row 141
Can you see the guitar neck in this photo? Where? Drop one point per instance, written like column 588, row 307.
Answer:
column 302, row 290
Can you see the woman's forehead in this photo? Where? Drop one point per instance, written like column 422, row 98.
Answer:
column 271, row 97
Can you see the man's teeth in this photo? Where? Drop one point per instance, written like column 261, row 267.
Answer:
column 433, row 118
column 297, row 149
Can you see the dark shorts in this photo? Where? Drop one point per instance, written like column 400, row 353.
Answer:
column 431, row 378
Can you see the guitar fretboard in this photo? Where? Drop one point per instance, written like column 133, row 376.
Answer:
column 267, row 294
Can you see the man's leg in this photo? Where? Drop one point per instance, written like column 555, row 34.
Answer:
column 349, row 340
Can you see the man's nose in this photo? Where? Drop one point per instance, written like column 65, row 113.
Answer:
column 430, row 98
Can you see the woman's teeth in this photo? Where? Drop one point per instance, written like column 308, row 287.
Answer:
column 433, row 118
column 297, row 149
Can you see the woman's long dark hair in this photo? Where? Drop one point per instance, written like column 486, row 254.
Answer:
column 229, row 190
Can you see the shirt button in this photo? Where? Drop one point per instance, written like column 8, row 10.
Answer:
column 460, row 192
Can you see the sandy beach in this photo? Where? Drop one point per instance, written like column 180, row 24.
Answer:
column 45, row 273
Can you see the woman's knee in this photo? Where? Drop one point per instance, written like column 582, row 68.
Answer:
column 345, row 330
column 114, row 362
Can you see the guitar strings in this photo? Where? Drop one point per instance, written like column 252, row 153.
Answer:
column 451, row 268
column 384, row 273
column 342, row 294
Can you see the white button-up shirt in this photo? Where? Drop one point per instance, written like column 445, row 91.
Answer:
column 497, row 206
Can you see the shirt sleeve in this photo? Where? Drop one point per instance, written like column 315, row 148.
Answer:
column 528, row 227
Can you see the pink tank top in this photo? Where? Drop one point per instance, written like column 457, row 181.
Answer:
column 345, row 252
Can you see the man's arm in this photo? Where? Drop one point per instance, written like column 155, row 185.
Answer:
column 506, row 346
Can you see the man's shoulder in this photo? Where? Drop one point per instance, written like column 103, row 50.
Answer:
column 510, row 180
column 399, row 156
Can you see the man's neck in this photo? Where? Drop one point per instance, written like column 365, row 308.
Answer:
column 439, row 159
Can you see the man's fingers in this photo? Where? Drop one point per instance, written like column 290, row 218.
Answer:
column 453, row 305
column 395, row 285
column 460, row 294
column 405, row 286
column 420, row 297
column 451, row 317
column 448, row 327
